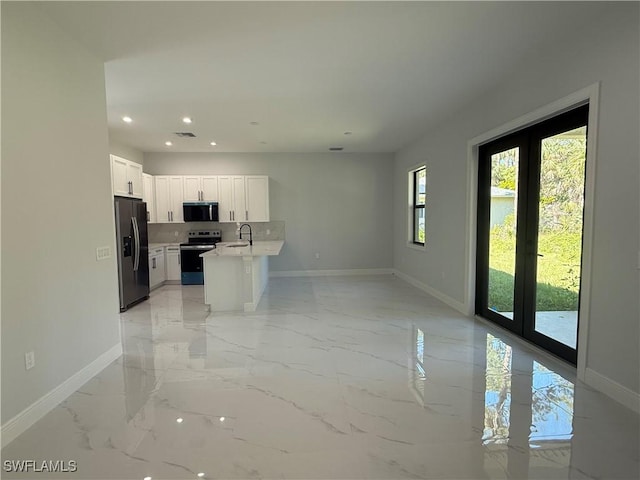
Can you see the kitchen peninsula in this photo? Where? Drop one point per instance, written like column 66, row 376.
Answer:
column 236, row 274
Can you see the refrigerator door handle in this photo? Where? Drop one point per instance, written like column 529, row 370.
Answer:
column 136, row 234
column 210, row 212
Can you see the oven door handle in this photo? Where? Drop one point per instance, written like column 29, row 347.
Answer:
column 197, row 247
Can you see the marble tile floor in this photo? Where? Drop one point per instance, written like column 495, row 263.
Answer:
column 360, row 377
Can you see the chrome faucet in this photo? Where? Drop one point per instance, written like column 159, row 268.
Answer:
column 250, row 233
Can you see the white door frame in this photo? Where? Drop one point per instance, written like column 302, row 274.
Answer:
column 588, row 95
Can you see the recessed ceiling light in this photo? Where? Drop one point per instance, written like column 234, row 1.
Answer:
column 186, row 119
column 168, row 143
column 213, row 144
column 127, row 119
column 348, row 133
column 254, row 123
column 180, row 420
column 201, row 474
column 147, row 478
column 222, row 419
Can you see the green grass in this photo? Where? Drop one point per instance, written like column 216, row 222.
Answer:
column 558, row 271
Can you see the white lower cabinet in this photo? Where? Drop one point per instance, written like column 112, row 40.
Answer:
column 157, row 274
column 174, row 273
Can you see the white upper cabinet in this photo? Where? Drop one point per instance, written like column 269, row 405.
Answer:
column 243, row 198
column 200, row 188
column 209, row 188
column 126, row 177
column 257, row 197
column 149, row 196
column 240, row 198
column 169, row 198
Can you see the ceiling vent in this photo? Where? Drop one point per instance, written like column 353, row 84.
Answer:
column 336, row 149
column 185, row 134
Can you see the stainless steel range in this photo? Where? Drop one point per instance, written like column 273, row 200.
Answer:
column 190, row 260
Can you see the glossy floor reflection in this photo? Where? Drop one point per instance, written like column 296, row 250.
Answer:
column 358, row 377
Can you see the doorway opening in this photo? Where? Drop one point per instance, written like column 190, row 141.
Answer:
column 531, row 192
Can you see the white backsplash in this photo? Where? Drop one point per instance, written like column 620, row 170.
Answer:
column 178, row 232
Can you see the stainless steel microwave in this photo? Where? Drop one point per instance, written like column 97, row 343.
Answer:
column 200, row 211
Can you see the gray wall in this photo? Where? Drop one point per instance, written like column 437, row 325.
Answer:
column 57, row 300
column 605, row 52
column 125, row 151
column 337, row 205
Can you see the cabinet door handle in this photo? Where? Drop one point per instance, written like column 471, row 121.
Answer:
column 168, row 216
column 246, row 215
column 230, row 215
column 172, row 215
column 153, row 262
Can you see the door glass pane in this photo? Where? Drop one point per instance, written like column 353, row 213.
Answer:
column 502, row 233
column 559, row 248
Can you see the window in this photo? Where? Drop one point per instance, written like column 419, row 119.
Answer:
column 418, row 195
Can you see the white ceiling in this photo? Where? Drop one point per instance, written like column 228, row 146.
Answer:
column 306, row 71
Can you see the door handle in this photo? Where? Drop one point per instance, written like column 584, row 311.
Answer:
column 136, row 235
column 539, row 254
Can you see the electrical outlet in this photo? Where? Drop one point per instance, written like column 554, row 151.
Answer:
column 268, row 232
column 102, row 253
column 317, row 255
column 29, row 360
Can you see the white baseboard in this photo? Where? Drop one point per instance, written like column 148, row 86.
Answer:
column 331, row 273
column 456, row 305
column 613, row 389
column 34, row 412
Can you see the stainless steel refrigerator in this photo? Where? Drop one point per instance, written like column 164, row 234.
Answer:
column 133, row 250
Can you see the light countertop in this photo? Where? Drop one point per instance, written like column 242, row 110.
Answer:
column 259, row 249
column 158, row 245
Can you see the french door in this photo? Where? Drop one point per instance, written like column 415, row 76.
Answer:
column 530, row 225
